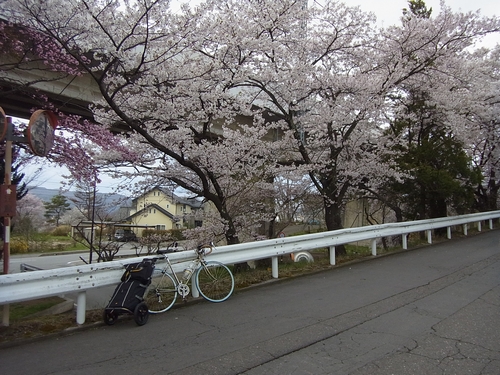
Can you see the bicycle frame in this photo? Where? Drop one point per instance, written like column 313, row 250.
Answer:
column 182, row 283
column 211, row 279
column 174, row 275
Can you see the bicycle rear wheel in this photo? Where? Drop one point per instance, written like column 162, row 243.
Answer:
column 214, row 281
column 162, row 293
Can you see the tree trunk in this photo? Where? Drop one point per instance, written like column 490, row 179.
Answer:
column 232, row 239
column 492, row 194
column 333, row 220
column 438, row 208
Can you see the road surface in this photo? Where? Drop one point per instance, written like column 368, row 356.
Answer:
column 46, row 261
column 434, row 310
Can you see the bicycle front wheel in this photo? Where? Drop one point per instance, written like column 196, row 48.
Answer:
column 214, row 281
column 162, row 293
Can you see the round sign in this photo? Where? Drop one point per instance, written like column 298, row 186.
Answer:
column 3, row 124
column 41, row 132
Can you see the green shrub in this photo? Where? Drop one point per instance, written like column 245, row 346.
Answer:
column 18, row 246
column 61, row 230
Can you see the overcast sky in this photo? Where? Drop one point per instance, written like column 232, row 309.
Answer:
column 387, row 13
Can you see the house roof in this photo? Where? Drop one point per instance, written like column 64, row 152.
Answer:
column 155, row 206
column 192, row 202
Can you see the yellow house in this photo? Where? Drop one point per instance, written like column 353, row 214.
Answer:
column 161, row 209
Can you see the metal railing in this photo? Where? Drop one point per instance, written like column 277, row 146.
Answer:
column 27, row 268
column 78, row 279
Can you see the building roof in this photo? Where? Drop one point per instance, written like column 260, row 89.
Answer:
column 192, row 202
column 145, row 209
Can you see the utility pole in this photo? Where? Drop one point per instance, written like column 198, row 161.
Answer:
column 8, row 208
column 40, row 138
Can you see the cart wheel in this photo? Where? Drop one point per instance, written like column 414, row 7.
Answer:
column 141, row 314
column 110, row 317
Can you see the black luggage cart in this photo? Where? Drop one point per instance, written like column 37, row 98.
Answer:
column 128, row 297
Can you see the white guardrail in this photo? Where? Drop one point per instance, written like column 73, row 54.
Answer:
column 78, row 279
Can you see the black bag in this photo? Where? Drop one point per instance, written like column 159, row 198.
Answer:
column 127, row 295
column 141, row 271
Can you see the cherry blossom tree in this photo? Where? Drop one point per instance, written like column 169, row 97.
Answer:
column 28, row 54
column 297, row 201
column 465, row 92
column 29, row 216
column 325, row 73
column 479, row 104
column 224, row 97
column 159, row 90
column 427, row 131
column 72, row 217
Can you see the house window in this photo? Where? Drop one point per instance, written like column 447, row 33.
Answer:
column 160, row 227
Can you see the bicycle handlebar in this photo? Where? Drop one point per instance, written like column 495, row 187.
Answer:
column 201, row 248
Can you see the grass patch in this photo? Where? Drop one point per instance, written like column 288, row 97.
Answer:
column 22, row 310
column 45, row 243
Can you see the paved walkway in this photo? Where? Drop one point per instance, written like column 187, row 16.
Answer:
column 449, row 326
column 434, row 310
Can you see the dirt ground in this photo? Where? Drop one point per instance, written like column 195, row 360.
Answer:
column 32, row 328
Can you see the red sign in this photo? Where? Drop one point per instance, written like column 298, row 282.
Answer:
column 7, row 200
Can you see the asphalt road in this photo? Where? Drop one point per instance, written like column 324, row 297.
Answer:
column 58, row 260
column 434, row 310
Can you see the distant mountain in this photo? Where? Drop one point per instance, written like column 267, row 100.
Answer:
column 46, row 195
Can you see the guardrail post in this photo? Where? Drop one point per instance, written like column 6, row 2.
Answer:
column 374, row 247
column 332, row 255
column 274, row 263
column 479, row 226
column 194, row 290
column 448, row 232
column 60, row 281
column 81, row 301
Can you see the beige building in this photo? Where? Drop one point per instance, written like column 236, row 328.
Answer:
column 161, row 209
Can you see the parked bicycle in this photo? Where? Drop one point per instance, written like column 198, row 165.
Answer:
column 214, row 281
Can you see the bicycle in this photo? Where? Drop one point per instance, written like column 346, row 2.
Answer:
column 214, row 281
